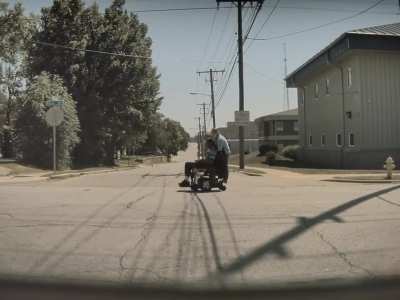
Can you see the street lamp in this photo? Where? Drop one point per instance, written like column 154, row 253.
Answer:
column 212, row 104
column 194, row 93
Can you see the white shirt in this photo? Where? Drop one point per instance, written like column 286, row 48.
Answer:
column 222, row 144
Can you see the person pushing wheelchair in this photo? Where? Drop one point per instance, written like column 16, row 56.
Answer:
column 223, row 152
column 217, row 157
column 206, row 163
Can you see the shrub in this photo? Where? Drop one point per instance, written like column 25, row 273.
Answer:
column 291, row 152
column 270, row 157
column 34, row 136
column 263, row 149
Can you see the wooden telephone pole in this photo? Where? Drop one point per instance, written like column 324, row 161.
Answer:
column 239, row 4
column 211, row 72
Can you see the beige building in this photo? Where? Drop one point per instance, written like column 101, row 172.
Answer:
column 349, row 100
column 279, row 129
column 231, row 132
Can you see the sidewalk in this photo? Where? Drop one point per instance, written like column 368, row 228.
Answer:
column 371, row 177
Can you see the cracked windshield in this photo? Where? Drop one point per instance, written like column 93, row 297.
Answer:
column 214, row 143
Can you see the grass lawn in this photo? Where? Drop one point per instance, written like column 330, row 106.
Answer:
column 18, row 169
column 282, row 163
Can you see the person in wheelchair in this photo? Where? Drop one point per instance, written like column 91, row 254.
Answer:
column 207, row 163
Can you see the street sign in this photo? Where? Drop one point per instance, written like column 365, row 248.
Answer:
column 242, row 116
column 54, row 116
column 244, row 123
column 55, row 102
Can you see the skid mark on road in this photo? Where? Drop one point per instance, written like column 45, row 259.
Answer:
column 141, row 244
column 204, row 243
column 388, row 201
column 164, row 247
column 342, row 255
column 231, row 230
column 46, row 257
column 213, row 240
column 189, row 241
column 91, row 235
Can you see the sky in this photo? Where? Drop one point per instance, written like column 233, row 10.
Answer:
column 185, row 42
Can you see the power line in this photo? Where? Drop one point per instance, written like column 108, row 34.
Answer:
column 319, row 26
column 234, row 59
column 90, row 50
column 209, row 37
column 227, row 82
column 268, row 17
column 263, row 25
column 255, row 14
column 328, row 9
column 222, row 33
column 178, row 9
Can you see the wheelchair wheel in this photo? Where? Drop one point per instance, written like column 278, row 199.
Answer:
column 222, row 187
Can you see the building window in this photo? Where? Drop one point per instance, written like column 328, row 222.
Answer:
column 339, row 140
column 316, row 90
column 349, row 77
column 351, row 140
column 279, row 125
column 310, row 140
column 323, row 140
column 301, row 96
column 296, row 126
column 327, row 83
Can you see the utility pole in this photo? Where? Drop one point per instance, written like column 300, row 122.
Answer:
column 239, row 5
column 286, row 91
column 211, row 72
column 204, row 118
column 199, row 141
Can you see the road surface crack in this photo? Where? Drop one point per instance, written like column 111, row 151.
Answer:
column 343, row 256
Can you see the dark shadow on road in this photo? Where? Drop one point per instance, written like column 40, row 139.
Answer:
column 277, row 244
column 199, row 192
column 53, row 251
column 213, row 240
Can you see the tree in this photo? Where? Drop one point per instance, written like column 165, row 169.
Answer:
column 115, row 94
column 172, row 137
column 15, row 29
column 12, row 82
column 34, row 135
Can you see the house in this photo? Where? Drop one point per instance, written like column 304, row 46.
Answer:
column 231, row 132
column 349, row 100
column 279, row 129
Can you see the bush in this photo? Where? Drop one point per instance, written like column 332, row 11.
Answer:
column 34, row 136
column 263, row 149
column 270, row 157
column 291, row 152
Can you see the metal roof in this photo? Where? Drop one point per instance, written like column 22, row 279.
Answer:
column 388, row 29
column 290, row 114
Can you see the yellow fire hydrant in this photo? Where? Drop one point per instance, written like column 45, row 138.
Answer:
column 389, row 166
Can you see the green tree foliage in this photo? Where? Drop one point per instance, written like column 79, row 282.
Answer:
column 34, row 136
column 15, row 30
column 116, row 95
column 11, row 82
column 167, row 135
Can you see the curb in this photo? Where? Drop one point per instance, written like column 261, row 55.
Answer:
column 63, row 176
column 249, row 173
column 362, row 181
column 76, row 174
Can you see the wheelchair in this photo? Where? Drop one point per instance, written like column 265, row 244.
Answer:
column 206, row 179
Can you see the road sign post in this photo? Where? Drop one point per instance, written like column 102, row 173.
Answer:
column 54, row 117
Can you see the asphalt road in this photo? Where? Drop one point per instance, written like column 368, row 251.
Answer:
column 138, row 225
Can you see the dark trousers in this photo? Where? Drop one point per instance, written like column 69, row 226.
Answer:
column 198, row 164
column 221, row 163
